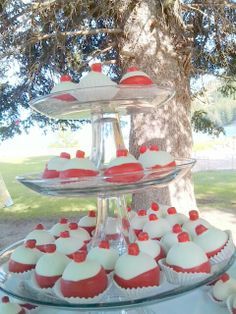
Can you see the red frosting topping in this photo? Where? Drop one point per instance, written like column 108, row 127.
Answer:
column 73, row 226
column 50, row 248
column 154, row 206
column 63, row 221
column 143, row 149
column 171, row 211
column 193, row 215
column 133, row 249
column 5, row 299
column 142, row 212
column 132, row 69
column 65, row 155
column 65, row 78
column 96, row 67
column 152, row 217
column 183, row 237
column 200, row 229
column 129, row 209
column 80, row 154
column 177, row 228
column 65, row 234
column 80, row 256
column 104, row 244
column 225, row 277
column 30, row 244
column 154, row 147
column 122, row 153
column 143, row 236
column 92, row 213
column 39, row 227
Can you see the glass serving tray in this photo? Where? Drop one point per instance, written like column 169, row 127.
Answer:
column 21, row 289
column 80, row 103
column 104, row 185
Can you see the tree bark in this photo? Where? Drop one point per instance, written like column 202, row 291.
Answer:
column 156, row 42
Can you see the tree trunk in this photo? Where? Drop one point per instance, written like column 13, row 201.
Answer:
column 155, row 42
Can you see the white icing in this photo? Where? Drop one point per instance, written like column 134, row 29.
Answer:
column 186, row 255
column 95, row 79
column 105, row 257
column 69, row 245
column 150, row 247
column 63, row 86
column 79, row 163
column 122, row 160
column 211, row 240
column 10, row 308
column 25, row 255
column 129, row 266
column 132, row 214
column 152, row 158
column 168, row 240
column 131, row 74
column 87, row 221
column 52, row 264
column 80, row 271
column 138, row 222
column 157, row 228
column 177, row 218
column 158, row 213
column 41, row 236
column 58, row 228
column 57, row 163
column 163, row 209
column 81, row 234
column 222, row 290
column 190, row 225
column 112, row 226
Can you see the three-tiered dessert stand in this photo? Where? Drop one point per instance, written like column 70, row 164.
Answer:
column 104, row 111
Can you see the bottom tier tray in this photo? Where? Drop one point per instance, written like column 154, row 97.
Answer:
column 22, row 289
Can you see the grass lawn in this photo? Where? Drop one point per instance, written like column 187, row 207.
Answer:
column 214, row 189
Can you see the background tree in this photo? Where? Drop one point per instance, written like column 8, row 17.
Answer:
column 171, row 40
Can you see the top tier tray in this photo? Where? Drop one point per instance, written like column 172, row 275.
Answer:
column 81, row 103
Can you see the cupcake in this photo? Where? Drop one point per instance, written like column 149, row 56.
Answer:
column 125, row 164
column 156, row 227
column 41, row 236
column 83, row 278
column 55, row 165
column 78, row 232
column 135, row 77
column 50, row 267
column 193, row 222
column 136, row 269
column 7, row 307
column 78, row 167
column 65, row 85
column 139, row 221
column 175, row 218
column 24, row 257
column 150, row 247
column 88, row 222
column 154, row 158
column 223, row 288
column 171, row 238
column 104, row 255
column 68, row 245
column 155, row 209
column 59, row 227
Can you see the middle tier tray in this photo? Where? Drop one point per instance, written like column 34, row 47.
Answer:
column 104, row 185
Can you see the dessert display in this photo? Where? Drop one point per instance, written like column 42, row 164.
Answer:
column 223, row 288
column 126, row 164
column 78, row 232
column 104, row 255
column 88, row 222
column 68, row 245
column 171, row 238
column 65, row 84
column 135, row 77
column 194, row 220
column 155, row 209
column 150, row 247
column 59, row 227
column 156, row 227
column 50, row 266
column 83, row 278
column 78, row 167
column 139, row 221
column 41, row 236
column 55, row 165
column 175, row 218
column 7, row 307
column 136, row 269
column 24, row 257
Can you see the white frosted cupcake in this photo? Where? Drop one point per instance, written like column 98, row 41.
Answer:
column 88, row 222
column 7, row 307
column 150, row 247
column 156, row 227
column 59, row 227
column 68, row 245
column 175, row 218
column 78, row 232
column 41, row 236
column 65, row 85
column 55, row 165
column 139, row 221
column 193, row 222
column 171, row 238
column 155, row 209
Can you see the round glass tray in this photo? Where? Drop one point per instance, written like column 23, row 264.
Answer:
column 22, row 289
column 105, row 185
column 80, row 103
